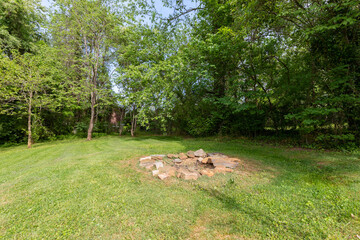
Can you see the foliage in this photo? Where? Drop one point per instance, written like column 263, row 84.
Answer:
column 230, row 67
column 31, row 83
column 20, row 22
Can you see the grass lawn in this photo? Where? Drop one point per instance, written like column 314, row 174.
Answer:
column 74, row 189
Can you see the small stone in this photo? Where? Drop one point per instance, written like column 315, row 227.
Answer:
column 190, row 154
column 155, row 172
column 171, row 171
column 220, row 170
column 157, row 157
column 180, row 170
column 217, row 155
column 145, row 158
column 218, row 162
column 200, row 153
column 206, row 172
column 206, row 160
column 189, row 162
column 163, row 176
column 182, row 156
column 147, row 163
column 159, row 165
column 192, row 169
column 149, row 167
column 172, row 156
column 200, row 159
column 177, row 160
column 187, row 175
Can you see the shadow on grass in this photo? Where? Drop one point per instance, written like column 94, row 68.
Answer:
column 152, row 137
column 257, row 215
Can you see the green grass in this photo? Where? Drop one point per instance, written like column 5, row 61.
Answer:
column 74, row 189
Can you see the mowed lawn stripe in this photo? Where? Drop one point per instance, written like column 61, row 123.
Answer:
column 75, row 189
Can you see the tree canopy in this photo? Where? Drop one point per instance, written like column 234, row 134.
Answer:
column 274, row 69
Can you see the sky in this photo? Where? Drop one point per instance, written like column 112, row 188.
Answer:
column 158, row 4
column 45, row 3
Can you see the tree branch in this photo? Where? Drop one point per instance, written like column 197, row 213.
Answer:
column 183, row 13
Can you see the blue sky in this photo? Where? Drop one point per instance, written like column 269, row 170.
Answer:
column 45, row 3
column 158, row 4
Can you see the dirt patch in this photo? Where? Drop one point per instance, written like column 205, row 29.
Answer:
column 202, row 230
column 322, row 164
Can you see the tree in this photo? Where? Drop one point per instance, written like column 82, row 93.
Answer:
column 20, row 23
column 29, row 83
column 88, row 26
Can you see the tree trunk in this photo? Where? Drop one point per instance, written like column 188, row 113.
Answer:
column 96, row 114
column 92, row 117
column 133, row 124
column 29, row 122
column 93, row 93
column 120, row 129
column 122, row 113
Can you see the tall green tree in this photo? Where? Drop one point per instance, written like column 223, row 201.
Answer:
column 88, row 26
column 30, row 83
column 20, row 23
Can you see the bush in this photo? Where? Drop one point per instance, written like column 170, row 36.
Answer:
column 200, row 126
column 81, row 128
column 333, row 141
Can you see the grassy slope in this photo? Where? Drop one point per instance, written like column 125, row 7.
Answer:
column 92, row 190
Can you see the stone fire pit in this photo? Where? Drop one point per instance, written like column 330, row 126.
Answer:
column 189, row 166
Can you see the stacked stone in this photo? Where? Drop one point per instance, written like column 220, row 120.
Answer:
column 189, row 166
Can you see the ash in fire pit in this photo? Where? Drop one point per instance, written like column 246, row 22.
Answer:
column 189, row 166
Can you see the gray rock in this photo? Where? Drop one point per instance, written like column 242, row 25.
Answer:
column 223, row 162
column 217, row 155
column 190, row 154
column 177, row 160
column 155, row 172
column 159, row 165
column 147, row 165
column 200, row 153
column 146, row 162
